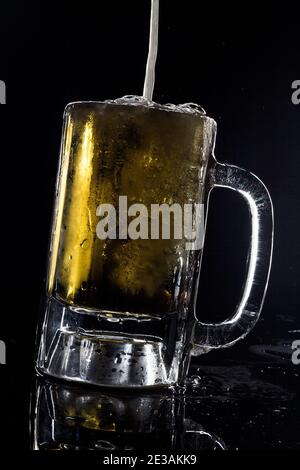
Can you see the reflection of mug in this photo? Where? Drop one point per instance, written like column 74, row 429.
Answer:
column 69, row 417
column 128, row 230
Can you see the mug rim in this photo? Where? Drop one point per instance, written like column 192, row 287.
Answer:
column 151, row 105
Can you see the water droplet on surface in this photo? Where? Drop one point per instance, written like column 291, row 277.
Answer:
column 104, row 445
column 194, row 381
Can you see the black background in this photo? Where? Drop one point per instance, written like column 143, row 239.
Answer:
column 238, row 60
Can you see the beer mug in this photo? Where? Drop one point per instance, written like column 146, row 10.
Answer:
column 128, row 230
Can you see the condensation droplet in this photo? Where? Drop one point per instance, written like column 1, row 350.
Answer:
column 118, row 359
column 84, row 243
column 84, row 286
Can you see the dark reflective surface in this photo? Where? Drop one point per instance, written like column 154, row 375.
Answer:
column 71, row 417
column 254, row 404
column 230, row 406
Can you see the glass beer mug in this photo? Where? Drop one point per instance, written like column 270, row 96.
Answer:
column 125, row 254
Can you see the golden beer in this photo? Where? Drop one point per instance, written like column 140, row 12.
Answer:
column 151, row 155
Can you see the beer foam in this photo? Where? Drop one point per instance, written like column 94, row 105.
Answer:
column 134, row 100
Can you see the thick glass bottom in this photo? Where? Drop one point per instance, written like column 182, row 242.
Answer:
column 110, row 348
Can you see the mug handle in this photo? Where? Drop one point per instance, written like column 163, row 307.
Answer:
column 210, row 336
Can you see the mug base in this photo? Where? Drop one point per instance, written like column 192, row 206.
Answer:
column 86, row 346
